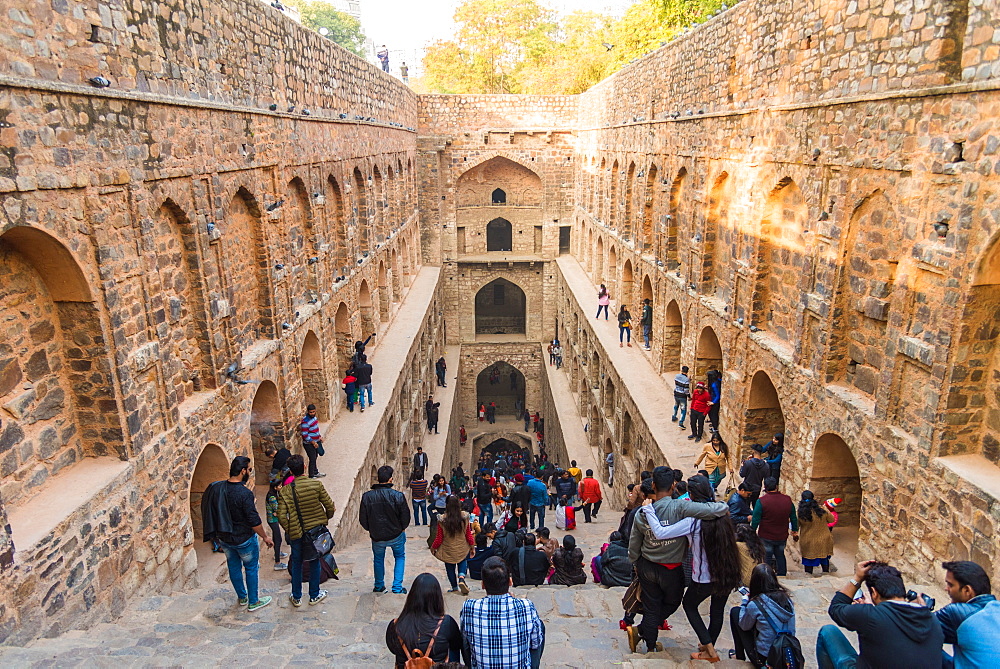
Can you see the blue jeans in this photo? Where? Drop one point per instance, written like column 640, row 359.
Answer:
column 463, row 569
column 245, row 556
column 485, row 511
column 599, row 307
column 398, row 546
column 295, row 570
column 419, row 505
column 536, row 653
column 647, row 331
column 623, row 333
column 833, row 650
column 682, row 404
column 361, row 395
column 775, row 550
column 536, row 511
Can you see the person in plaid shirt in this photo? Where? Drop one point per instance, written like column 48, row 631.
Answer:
column 500, row 631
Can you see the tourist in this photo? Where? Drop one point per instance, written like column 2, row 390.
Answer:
column 500, row 631
column 815, row 539
column 971, row 623
column 482, row 412
column 636, row 494
column 603, row 300
column 715, row 397
column 624, row 326
column 753, row 622
column 441, row 368
column 775, row 453
column 229, row 517
column 892, row 632
column 527, row 420
column 350, row 387
column 271, row 506
column 772, row 514
column 520, row 496
column 363, row 372
column 484, row 497
column 423, row 625
column 439, row 493
column 545, row 543
column 359, row 350
column 590, row 495
column 420, row 461
column 575, row 471
column 303, row 505
column 647, row 321
column 751, row 550
column 682, row 388
column 491, row 413
column 518, row 519
column 715, row 565
column 715, row 455
column 528, row 565
column 385, row 515
column 537, row 501
column 614, row 565
column 312, row 440
column 404, row 73
column 568, row 563
column 279, row 463
column 418, row 496
column 551, row 350
column 566, row 487
column 431, row 409
column 754, row 470
column 699, row 408
column 609, row 460
column 463, row 436
column 454, row 543
column 557, row 352
column 658, row 563
column 383, row 57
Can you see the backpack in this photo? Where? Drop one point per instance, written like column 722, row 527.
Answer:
column 418, row 659
column 785, row 651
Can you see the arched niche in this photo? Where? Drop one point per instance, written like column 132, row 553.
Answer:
column 368, row 323
column 781, row 260
column 266, row 428
column 500, row 308
column 315, row 388
column 499, row 235
column 336, row 233
column 835, row 474
column 647, row 290
column 716, row 231
column 298, row 240
column 707, row 354
column 212, row 465
column 629, row 192
column 674, row 221
column 673, row 333
column 362, row 210
column 383, row 293
column 345, row 337
column 648, row 236
column 627, row 287
column 494, row 384
column 498, row 196
column 599, row 262
column 247, row 269
column 627, row 436
column 764, row 417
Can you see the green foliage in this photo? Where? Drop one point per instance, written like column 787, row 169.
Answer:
column 518, row 46
column 344, row 29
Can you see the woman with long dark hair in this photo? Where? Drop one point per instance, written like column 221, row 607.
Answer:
column 815, row 540
column 624, row 326
column 603, row 300
column 518, row 519
column 422, row 623
column 715, row 565
column 767, row 604
column 568, row 562
column 715, row 455
column 454, row 543
column 751, row 550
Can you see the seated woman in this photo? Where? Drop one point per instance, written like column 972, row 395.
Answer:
column 518, row 520
column 424, row 626
column 568, row 563
column 767, row 602
column 616, row 568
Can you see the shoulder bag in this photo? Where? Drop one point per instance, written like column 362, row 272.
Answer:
column 319, row 537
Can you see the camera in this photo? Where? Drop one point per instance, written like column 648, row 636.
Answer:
column 928, row 600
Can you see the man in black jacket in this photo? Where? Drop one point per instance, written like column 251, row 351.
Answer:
column 528, row 565
column 386, row 515
column 892, row 633
column 363, row 373
column 520, row 495
column 753, row 471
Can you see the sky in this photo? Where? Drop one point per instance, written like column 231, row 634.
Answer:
column 407, row 26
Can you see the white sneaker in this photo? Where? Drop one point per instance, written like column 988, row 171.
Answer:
column 280, row 566
column 319, row 598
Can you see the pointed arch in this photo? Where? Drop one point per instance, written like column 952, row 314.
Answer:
column 627, row 220
column 315, row 387
column 383, row 292
column 344, row 337
column 362, row 210
column 613, row 215
column 248, row 271
column 337, row 228
column 716, row 232
column 673, row 334
column 266, row 426
column 781, row 260
column 493, row 384
column 646, row 237
column 501, row 308
column 368, row 322
column 708, row 353
column 674, row 221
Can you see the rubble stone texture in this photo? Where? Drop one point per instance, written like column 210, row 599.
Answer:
column 807, row 193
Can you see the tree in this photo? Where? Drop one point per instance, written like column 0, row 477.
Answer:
column 343, row 28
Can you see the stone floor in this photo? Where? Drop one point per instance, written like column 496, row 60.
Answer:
column 205, row 627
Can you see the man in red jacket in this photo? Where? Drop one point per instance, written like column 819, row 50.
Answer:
column 590, row 494
column 772, row 515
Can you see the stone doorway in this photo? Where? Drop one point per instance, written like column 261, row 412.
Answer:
column 763, row 417
column 315, row 389
column 494, row 384
column 707, row 355
column 266, row 428
column 499, row 235
column 673, row 332
column 835, row 474
column 212, row 465
column 500, row 308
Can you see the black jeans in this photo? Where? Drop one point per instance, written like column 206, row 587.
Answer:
column 662, row 591
column 276, row 537
column 591, row 509
column 697, row 424
column 311, row 452
column 745, row 641
column 695, row 595
column 713, row 416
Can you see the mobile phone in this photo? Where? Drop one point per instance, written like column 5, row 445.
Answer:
column 859, row 594
column 743, row 590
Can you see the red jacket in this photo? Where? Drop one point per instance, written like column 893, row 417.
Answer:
column 700, row 400
column 589, row 490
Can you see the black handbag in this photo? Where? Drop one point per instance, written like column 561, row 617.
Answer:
column 319, row 537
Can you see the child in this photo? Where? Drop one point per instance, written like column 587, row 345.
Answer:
column 350, row 387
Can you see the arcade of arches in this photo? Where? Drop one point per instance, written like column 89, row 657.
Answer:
column 171, row 300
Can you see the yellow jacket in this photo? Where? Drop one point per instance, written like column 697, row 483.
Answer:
column 712, row 459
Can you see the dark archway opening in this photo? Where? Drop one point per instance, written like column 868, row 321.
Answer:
column 499, row 235
column 501, row 383
column 265, row 428
column 708, row 354
column 835, row 474
column 499, row 445
column 499, row 196
column 500, row 308
column 764, row 417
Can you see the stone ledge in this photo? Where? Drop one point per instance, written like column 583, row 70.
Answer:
column 976, row 470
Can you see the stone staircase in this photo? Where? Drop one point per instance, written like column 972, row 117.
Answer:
column 205, row 626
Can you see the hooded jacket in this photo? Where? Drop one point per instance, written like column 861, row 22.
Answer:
column 616, row 568
column 891, row 634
